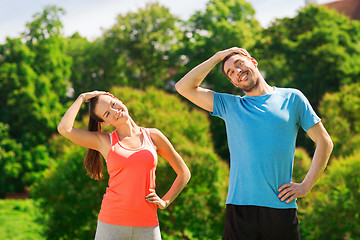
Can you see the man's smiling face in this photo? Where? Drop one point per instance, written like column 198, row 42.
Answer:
column 242, row 72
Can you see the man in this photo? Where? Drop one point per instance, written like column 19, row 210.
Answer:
column 261, row 127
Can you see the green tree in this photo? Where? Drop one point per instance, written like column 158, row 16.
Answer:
column 44, row 38
column 10, row 162
column 334, row 212
column 92, row 64
column 33, row 81
column 34, row 78
column 341, row 116
column 27, row 99
column 70, row 211
column 139, row 47
column 317, row 51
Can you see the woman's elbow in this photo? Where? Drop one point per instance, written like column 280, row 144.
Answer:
column 178, row 87
column 62, row 130
column 187, row 175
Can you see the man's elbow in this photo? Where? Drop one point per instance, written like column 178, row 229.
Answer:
column 328, row 143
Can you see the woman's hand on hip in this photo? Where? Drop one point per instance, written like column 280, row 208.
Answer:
column 152, row 197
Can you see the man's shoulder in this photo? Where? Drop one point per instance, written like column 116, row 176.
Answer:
column 226, row 95
column 290, row 92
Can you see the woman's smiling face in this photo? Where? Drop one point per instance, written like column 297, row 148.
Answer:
column 111, row 110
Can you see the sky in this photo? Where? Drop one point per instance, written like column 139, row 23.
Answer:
column 89, row 17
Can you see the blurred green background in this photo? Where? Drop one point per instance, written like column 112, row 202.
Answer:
column 139, row 59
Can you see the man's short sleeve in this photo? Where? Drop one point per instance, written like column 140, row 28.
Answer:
column 306, row 114
column 220, row 105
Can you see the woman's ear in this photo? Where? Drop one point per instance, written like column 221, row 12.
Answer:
column 105, row 123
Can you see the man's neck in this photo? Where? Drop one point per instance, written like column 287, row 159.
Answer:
column 263, row 88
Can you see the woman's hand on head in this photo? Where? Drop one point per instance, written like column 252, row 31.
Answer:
column 88, row 95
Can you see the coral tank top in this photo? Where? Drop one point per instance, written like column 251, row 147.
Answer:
column 132, row 174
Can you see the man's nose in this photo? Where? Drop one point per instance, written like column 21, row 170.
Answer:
column 238, row 70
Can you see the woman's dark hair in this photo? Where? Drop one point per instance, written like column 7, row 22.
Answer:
column 92, row 161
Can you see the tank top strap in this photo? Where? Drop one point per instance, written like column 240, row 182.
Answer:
column 114, row 138
column 148, row 137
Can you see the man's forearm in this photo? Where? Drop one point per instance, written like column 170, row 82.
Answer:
column 194, row 78
column 319, row 162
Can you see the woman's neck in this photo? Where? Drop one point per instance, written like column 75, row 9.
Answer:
column 128, row 129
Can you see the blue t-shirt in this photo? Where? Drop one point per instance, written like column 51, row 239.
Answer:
column 261, row 133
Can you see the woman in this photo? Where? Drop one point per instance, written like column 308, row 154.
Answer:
column 129, row 206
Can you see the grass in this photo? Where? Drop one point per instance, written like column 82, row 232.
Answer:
column 17, row 220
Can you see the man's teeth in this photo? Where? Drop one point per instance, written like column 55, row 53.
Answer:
column 244, row 76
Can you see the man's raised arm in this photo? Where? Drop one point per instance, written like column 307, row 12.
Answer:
column 189, row 85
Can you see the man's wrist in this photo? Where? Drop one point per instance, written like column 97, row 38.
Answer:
column 308, row 186
column 81, row 98
column 217, row 57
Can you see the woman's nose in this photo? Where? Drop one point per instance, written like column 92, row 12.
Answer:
column 115, row 111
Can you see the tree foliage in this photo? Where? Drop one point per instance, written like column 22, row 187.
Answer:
column 317, row 51
column 33, row 83
column 34, row 74
column 341, row 116
column 10, row 162
column 137, row 51
column 334, row 214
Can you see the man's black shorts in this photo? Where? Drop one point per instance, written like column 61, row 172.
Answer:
column 260, row 223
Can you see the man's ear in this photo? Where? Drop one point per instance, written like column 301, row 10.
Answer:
column 254, row 62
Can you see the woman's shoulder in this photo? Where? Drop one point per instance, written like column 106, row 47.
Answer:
column 156, row 135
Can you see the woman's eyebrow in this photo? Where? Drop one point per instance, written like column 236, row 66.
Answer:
column 107, row 111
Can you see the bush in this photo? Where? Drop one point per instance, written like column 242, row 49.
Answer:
column 341, row 116
column 334, row 213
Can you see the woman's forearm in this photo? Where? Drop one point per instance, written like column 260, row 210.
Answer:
column 181, row 180
column 67, row 121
